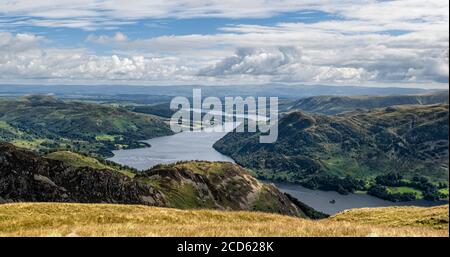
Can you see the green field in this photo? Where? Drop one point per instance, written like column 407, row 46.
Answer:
column 402, row 190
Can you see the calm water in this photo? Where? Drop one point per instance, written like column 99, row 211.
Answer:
column 320, row 200
column 184, row 146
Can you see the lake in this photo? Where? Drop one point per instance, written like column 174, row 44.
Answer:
column 320, row 200
column 190, row 145
column 184, row 146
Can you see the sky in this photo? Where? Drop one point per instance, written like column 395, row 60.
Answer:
column 215, row 42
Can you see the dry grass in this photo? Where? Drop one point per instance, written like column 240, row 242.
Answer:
column 433, row 217
column 60, row 219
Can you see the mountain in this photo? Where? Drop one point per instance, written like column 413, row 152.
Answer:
column 28, row 177
column 332, row 105
column 63, row 219
column 347, row 152
column 44, row 122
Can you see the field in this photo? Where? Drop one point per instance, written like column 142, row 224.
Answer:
column 402, row 190
column 58, row 219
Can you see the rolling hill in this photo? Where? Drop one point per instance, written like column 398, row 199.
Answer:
column 332, row 105
column 63, row 219
column 347, row 152
column 44, row 122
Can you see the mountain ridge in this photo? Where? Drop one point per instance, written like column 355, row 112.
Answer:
column 26, row 176
column 331, row 105
column 335, row 152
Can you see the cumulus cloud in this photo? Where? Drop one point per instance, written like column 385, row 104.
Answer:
column 382, row 42
column 22, row 57
column 283, row 64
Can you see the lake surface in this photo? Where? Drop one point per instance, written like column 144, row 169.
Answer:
column 320, row 200
column 184, row 146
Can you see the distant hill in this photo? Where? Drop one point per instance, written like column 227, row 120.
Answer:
column 62, row 219
column 331, row 105
column 44, row 122
column 347, row 151
column 141, row 93
column 28, row 177
column 161, row 109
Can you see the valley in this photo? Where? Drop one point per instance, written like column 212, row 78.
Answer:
column 43, row 122
column 404, row 145
column 212, row 118
column 335, row 157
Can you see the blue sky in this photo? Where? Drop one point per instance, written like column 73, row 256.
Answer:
column 364, row 42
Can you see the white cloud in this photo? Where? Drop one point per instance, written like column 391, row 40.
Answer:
column 283, row 64
column 21, row 57
column 381, row 42
column 92, row 14
column 103, row 39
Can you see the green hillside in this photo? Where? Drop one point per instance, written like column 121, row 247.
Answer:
column 347, row 152
column 44, row 122
column 332, row 105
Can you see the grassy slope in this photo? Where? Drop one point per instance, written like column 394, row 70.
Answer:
column 78, row 160
column 51, row 219
column 434, row 217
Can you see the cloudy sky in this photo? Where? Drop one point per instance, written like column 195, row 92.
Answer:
column 214, row 42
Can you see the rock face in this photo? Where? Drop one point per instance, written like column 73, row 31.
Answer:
column 218, row 185
column 27, row 177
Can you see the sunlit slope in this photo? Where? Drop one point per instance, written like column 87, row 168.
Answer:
column 62, row 219
column 43, row 122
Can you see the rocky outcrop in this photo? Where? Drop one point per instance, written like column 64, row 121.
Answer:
column 219, row 185
column 28, row 177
